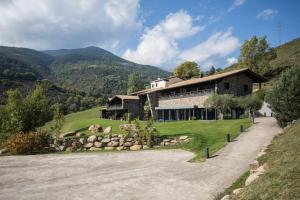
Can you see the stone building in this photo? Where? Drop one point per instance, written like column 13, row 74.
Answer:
column 172, row 98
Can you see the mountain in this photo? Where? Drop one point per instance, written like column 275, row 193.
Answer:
column 288, row 55
column 74, row 77
column 96, row 71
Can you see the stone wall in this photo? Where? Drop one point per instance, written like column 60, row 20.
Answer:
column 237, row 83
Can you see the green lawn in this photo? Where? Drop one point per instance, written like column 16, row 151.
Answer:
column 210, row 134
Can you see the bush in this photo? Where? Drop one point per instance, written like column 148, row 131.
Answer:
column 284, row 99
column 29, row 143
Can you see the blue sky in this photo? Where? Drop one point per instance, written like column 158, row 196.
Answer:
column 161, row 33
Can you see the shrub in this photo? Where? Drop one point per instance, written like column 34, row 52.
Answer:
column 284, row 99
column 29, row 143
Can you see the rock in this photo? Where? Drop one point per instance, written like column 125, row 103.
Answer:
column 127, row 144
column 76, row 144
column 96, row 128
column 145, row 147
column 167, row 140
column 88, row 145
column 62, row 148
column 114, row 135
column 109, row 148
column 79, row 134
column 120, row 148
column 184, row 137
column 129, row 139
column 92, row 138
column 252, row 178
column 254, row 165
column 98, row 144
column 226, row 197
column 162, row 144
column 99, row 138
column 67, row 134
column 173, row 141
column 113, row 144
column 128, row 127
column 107, row 130
column 82, row 140
column 94, row 149
column 2, row 151
column 70, row 149
column 187, row 140
column 136, row 147
column 260, row 154
column 167, row 143
column 260, row 169
column 107, row 136
column 115, row 139
column 105, row 140
column 237, row 191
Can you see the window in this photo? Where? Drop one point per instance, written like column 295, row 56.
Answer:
column 246, row 88
column 156, row 84
column 226, row 86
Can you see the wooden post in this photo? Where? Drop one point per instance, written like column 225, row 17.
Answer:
column 228, row 138
column 206, row 152
column 169, row 115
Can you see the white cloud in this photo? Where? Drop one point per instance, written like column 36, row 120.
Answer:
column 267, row 14
column 231, row 60
column 51, row 24
column 218, row 45
column 236, row 4
column 158, row 45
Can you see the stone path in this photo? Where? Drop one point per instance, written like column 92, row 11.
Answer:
column 150, row 175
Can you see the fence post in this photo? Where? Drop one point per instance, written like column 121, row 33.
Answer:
column 228, row 138
column 206, row 152
column 242, row 128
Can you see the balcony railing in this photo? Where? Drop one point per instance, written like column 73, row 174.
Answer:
column 187, row 94
column 114, row 107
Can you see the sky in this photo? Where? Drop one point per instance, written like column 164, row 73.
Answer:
column 162, row 33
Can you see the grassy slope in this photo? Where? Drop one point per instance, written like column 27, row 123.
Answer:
column 282, row 180
column 205, row 133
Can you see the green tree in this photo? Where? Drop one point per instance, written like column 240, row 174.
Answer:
column 211, row 71
column 222, row 103
column 134, row 83
column 58, row 117
column 284, row 99
column 251, row 103
column 187, row 70
column 256, row 54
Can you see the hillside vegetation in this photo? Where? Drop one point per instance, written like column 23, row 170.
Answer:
column 288, row 55
column 282, row 179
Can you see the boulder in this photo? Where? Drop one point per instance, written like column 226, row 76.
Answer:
column 113, row 144
column 96, row 128
column 109, row 148
column 99, row 138
column 167, row 143
column 107, row 130
column 88, row 145
column 115, row 139
column 129, row 139
column 167, row 140
column 92, row 138
column 136, row 147
column 105, row 140
column 226, row 197
column 237, row 191
column 94, row 149
column 184, row 137
column 128, row 127
column 98, row 144
column 70, row 149
column 254, row 165
column 82, row 140
column 120, row 148
column 79, row 134
column 67, row 134
column 2, row 151
column 162, row 144
column 174, row 141
column 127, row 144
column 62, row 148
column 252, row 178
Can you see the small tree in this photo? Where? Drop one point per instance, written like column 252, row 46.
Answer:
column 211, row 71
column 187, row 70
column 222, row 103
column 150, row 132
column 134, row 83
column 251, row 103
column 285, row 96
column 58, row 117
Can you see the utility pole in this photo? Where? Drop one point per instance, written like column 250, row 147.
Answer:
column 279, row 30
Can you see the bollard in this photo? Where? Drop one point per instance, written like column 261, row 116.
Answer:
column 228, row 137
column 206, row 152
column 242, row 128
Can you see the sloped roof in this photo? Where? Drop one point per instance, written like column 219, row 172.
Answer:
column 126, row 97
column 255, row 77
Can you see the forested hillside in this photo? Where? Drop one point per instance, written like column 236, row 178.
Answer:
column 288, row 55
column 76, row 78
